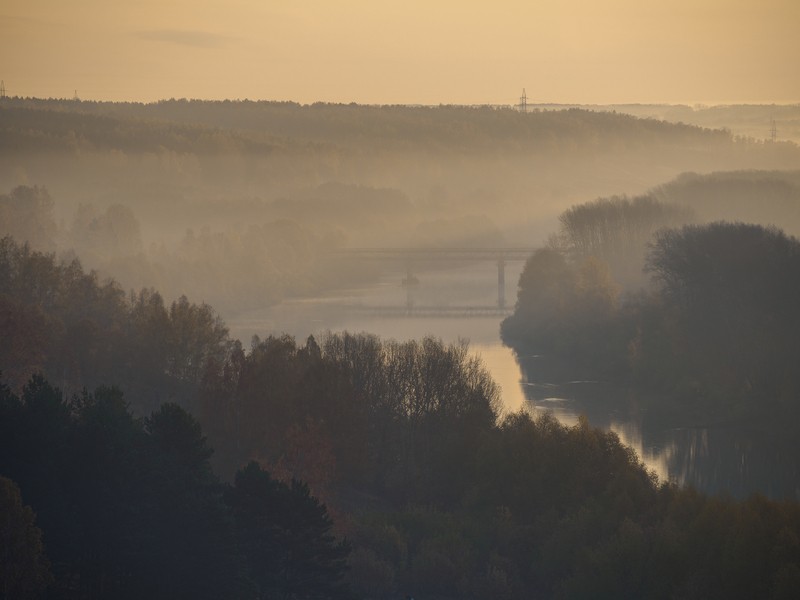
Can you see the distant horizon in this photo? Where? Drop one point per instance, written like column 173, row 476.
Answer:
column 701, row 104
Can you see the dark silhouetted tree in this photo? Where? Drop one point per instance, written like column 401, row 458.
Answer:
column 24, row 569
column 285, row 535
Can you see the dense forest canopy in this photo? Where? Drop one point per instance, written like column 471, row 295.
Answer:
column 187, row 124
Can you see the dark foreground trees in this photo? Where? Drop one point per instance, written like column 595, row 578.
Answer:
column 130, row 508
column 286, row 536
column 24, row 570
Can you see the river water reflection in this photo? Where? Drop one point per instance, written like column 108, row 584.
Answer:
column 717, row 459
column 737, row 459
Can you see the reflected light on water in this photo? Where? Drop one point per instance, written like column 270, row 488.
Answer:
column 629, row 433
column 654, row 460
column 502, row 364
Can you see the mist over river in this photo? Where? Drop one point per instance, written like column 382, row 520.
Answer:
column 736, row 459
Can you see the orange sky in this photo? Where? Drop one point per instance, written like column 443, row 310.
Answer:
column 410, row 51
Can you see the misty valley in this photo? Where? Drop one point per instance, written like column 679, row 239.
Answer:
column 281, row 350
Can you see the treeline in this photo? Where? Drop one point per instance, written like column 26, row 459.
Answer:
column 761, row 197
column 438, row 494
column 395, row 419
column 751, row 121
column 618, row 229
column 718, row 332
column 214, row 126
column 61, row 321
column 61, row 129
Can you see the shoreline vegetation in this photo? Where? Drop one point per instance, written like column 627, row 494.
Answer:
column 714, row 334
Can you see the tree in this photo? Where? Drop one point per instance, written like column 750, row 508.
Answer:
column 284, row 533
column 617, row 230
column 97, row 236
column 24, row 569
column 26, row 334
column 547, row 292
column 188, row 547
column 27, row 214
column 130, row 507
column 734, row 288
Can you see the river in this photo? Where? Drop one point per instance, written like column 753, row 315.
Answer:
column 736, row 460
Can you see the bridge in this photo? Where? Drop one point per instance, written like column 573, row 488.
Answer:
column 424, row 311
column 413, row 257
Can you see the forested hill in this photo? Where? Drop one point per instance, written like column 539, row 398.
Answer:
column 53, row 128
column 257, row 126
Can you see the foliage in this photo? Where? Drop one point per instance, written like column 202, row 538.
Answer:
column 617, row 230
column 131, row 508
column 126, row 511
column 569, row 309
column 24, row 568
column 63, row 322
column 734, row 290
column 285, row 533
column 27, row 213
column 720, row 329
column 264, row 127
column 384, row 410
column 96, row 235
column 758, row 197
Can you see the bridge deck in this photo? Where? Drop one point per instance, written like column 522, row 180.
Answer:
column 431, row 311
column 497, row 253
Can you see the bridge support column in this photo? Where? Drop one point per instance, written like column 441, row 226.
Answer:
column 410, row 283
column 501, row 283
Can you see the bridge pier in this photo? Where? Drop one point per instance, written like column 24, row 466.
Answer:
column 410, row 283
column 501, row 282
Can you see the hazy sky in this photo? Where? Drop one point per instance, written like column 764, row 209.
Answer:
column 409, row 51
